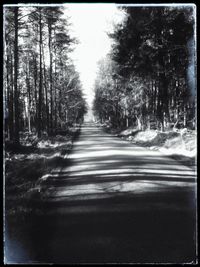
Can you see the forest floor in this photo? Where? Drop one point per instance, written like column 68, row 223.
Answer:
column 179, row 144
column 27, row 163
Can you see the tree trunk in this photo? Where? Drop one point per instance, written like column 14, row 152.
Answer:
column 16, row 93
column 139, row 122
column 36, row 98
column 185, row 116
column 10, row 97
column 46, row 95
column 41, row 81
column 148, row 123
column 50, row 75
column 60, row 95
column 6, row 85
column 55, row 92
column 28, row 95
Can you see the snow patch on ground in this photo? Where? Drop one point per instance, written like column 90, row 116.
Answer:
column 175, row 142
column 180, row 151
column 128, row 131
column 146, row 136
column 26, row 163
column 48, row 143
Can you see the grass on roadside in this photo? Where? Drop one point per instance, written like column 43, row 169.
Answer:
column 25, row 164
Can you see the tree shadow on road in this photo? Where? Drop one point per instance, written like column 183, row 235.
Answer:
column 113, row 203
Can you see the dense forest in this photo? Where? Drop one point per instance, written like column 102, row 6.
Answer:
column 112, row 182
column 42, row 89
column 147, row 80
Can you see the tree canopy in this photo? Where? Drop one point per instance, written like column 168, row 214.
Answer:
column 42, row 87
column 152, row 51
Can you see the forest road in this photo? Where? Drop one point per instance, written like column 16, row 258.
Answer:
column 115, row 203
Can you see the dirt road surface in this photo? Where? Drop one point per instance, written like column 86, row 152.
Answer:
column 115, row 203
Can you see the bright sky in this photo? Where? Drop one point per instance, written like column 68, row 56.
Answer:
column 90, row 22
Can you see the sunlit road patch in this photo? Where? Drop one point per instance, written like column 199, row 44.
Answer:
column 102, row 164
